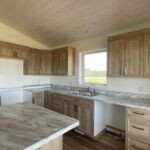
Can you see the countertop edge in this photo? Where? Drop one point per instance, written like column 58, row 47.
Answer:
column 51, row 137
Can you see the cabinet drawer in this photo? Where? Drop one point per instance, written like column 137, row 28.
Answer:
column 138, row 113
column 133, row 144
column 138, row 128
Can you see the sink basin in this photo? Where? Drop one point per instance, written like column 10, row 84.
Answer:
column 88, row 94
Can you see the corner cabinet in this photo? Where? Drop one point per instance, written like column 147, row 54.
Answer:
column 63, row 61
column 45, row 63
column 129, row 54
column 41, row 62
column 31, row 62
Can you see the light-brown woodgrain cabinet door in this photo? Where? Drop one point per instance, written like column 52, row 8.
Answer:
column 45, row 63
column 7, row 51
column 73, row 110
column 48, row 100
column 63, row 61
column 55, row 62
column 115, row 66
column 132, row 56
column 147, row 55
column 57, row 103
column 31, row 62
column 85, row 117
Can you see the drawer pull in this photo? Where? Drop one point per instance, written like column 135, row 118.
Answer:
column 137, row 113
column 138, row 128
column 137, row 147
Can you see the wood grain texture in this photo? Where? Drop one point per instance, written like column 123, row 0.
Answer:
column 147, row 55
column 57, row 22
column 132, row 56
column 115, row 64
column 45, row 63
column 63, row 61
column 137, row 129
column 107, row 141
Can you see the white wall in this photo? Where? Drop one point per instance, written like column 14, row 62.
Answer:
column 136, row 85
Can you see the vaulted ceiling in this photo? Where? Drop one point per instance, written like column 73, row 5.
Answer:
column 55, row 22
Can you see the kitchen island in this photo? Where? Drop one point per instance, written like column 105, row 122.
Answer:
column 30, row 127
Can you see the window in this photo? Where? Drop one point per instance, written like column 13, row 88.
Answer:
column 94, row 67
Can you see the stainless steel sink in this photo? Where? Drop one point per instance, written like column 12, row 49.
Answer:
column 88, row 94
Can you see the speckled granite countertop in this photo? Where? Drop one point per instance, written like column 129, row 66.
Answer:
column 122, row 99
column 26, row 126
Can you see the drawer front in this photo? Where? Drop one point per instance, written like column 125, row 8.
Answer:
column 138, row 113
column 133, row 144
column 138, row 128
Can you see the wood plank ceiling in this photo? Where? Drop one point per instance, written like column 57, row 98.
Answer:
column 55, row 22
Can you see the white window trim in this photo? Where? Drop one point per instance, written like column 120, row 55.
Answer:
column 81, row 80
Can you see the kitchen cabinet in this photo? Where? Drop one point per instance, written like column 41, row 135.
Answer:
column 146, row 55
column 55, row 62
column 85, row 115
column 74, row 107
column 31, row 62
column 57, row 103
column 137, row 129
column 69, row 108
column 48, row 100
column 45, row 63
column 10, row 50
column 38, row 98
column 125, row 55
column 41, row 62
column 115, row 50
column 7, row 51
column 132, row 56
column 63, row 61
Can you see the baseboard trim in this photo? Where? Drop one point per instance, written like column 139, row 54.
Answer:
column 115, row 130
column 99, row 134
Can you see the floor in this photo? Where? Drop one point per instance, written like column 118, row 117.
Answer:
column 74, row 141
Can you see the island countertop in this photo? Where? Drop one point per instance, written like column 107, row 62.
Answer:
column 27, row 126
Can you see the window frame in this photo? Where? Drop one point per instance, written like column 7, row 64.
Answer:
column 83, row 67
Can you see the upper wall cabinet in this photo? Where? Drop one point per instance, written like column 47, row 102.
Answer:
column 147, row 55
column 132, row 56
column 63, row 61
column 41, row 62
column 31, row 62
column 129, row 54
column 45, row 63
column 115, row 58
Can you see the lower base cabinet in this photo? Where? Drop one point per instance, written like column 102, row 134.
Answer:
column 85, row 118
column 137, row 129
column 75, row 107
column 133, row 144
